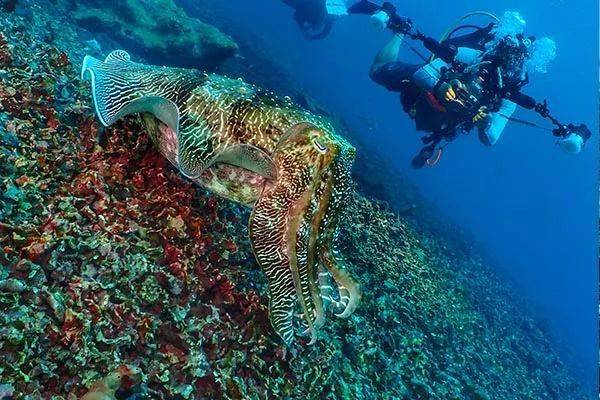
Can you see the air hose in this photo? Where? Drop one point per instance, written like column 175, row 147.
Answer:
column 457, row 25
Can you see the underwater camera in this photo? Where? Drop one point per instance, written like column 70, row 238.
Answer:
column 572, row 137
column 470, row 93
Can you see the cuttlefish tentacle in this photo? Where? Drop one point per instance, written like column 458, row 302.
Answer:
column 348, row 289
column 321, row 198
column 283, row 231
column 326, row 288
column 305, row 266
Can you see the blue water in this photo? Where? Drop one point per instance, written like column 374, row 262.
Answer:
column 531, row 206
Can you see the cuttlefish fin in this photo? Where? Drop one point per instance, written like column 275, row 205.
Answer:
column 121, row 87
column 249, row 157
column 118, row 55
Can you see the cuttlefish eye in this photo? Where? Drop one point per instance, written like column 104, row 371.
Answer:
column 314, row 137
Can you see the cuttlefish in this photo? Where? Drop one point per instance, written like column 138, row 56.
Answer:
column 247, row 145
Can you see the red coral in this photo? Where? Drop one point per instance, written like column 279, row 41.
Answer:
column 22, row 180
column 93, row 309
column 88, row 130
column 71, row 328
column 173, row 354
column 62, row 60
column 222, row 291
column 208, row 388
column 230, row 246
column 172, row 253
column 178, row 270
column 36, row 251
column 50, row 224
column 143, row 327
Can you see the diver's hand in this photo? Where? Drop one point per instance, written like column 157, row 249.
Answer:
column 482, row 115
column 448, row 90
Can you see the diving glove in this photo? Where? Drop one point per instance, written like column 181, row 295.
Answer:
column 482, row 115
column 448, row 90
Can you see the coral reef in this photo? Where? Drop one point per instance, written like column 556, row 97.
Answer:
column 158, row 30
column 111, row 258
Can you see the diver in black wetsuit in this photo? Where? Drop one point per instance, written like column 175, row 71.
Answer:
column 312, row 17
column 472, row 81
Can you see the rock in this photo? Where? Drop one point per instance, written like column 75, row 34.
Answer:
column 479, row 394
column 420, row 389
column 105, row 389
column 157, row 30
column 6, row 390
column 12, row 286
column 9, row 5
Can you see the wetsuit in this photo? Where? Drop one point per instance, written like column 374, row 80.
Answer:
column 416, row 84
column 312, row 17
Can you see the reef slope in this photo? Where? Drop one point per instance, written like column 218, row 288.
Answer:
column 110, row 257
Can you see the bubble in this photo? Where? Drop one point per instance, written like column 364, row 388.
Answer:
column 511, row 24
column 542, row 52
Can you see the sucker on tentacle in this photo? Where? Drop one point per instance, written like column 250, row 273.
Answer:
column 253, row 148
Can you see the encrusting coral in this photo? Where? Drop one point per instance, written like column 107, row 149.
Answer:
column 110, row 257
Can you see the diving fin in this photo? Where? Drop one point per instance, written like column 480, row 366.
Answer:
column 336, row 7
column 364, row 7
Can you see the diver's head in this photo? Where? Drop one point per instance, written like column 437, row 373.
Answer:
column 511, row 53
column 516, row 53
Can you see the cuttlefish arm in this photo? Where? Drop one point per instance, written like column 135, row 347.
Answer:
column 288, row 221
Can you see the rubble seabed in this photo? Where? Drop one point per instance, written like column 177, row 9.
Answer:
column 121, row 280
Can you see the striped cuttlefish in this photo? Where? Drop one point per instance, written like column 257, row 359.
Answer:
column 253, row 148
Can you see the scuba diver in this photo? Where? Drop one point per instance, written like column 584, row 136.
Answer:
column 316, row 17
column 471, row 81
